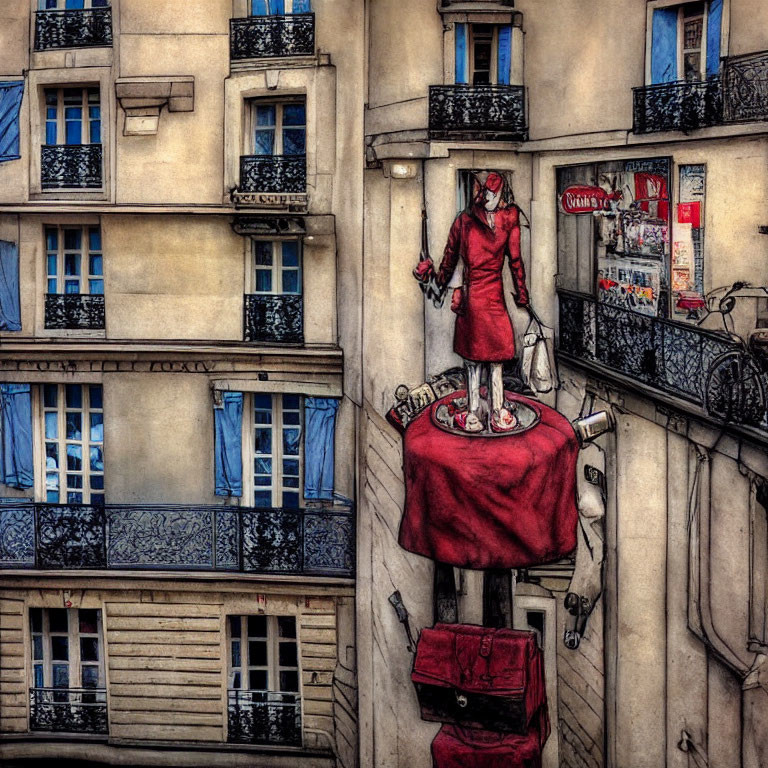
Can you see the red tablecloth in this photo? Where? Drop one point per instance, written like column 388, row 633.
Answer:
column 491, row 502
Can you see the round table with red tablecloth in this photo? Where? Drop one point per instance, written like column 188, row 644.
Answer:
column 482, row 501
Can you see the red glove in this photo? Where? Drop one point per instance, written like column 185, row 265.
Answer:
column 425, row 271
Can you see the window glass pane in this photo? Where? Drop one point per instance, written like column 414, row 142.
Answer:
column 97, row 481
column 51, row 239
column 262, row 499
column 75, row 458
column 51, row 264
column 234, row 626
column 74, row 481
column 291, row 402
column 36, row 619
column 290, row 253
column 58, row 620
column 290, row 500
column 61, row 676
column 257, row 653
column 96, row 287
column 263, row 466
column 74, row 396
column 263, row 441
column 50, row 131
column 96, row 264
column 257, row 627
column 39, row 676
column 97, row 427
column 37, row 647
column 74, row 131
column 263, row 280
column 89, row 649
column 235, row 653
column 89, row 621
column 72, row 239
column 50, row 395
column 294, row 114
column 72, row 264
column 52, row 285
column 74, row 426
column 265, row 115
column 97, row 499
column 287, row 655
column 258, row 680
column 291, row 442
column 286, row 626
column 290, row 281
column 76, row 498
column 289, row 681
column 264, row 142
column 60, row 648
column 293, row 141
column 95, row 131
column 263, row 253
column 51, row 456
column 97, row 459
column 72, row 286
column 52, row 487
column 236, row 680
column 95, row 394
column 51, row 426
column 90, row 675
column 94, row 239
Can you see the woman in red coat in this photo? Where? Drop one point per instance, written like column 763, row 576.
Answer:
column 482, row 237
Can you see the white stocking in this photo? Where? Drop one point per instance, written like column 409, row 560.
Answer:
column 497, row 387
column 473, row 386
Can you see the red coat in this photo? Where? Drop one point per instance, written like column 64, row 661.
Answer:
column 484, row 332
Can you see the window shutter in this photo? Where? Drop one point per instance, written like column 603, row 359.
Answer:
column 259, row 8
column 714, row 24
column 664, row 46
column 10, row 105
column 462, row 60
column 319, row 429
column 10, row 307
column 504, row 58
column 302, row 6
column 228, row 444
column 16, row 403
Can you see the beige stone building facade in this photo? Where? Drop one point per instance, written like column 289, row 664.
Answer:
column 209, row 215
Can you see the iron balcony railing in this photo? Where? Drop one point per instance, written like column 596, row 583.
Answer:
column 71, row 166
column 74, row 311
column 273, row 174
column 739, row 94
column 68, row 710
column 266, row 37
column 263, row 717
column 478, row 111
column 80, row 28
column 312, row 542
column 274, row 318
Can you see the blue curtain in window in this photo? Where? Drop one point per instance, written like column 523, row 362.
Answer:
column 10, row 105
column 228, row 441
column 462, row 61
column 10, row 306
column 505, row 54
column 16, row 404
column 319, row 429
column 664, row 46
column 302, row 6
column 268, row 7
column 714, row 24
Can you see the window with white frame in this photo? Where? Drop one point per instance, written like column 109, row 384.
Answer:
column 72, row 116
column 67, row 648
column 278, row 128
column 72, row 417
column 264, row 653
column 483, row 54
column 74, row 260
column 71, row 5
column 277, row 267
column 278, row 7
column 273, row 450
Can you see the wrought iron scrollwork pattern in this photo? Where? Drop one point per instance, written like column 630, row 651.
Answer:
column 262, row 37
column 81, row 28
column 264, row 717
column 672, row 357
column 276, row 174
column 68, row 710
column 482, row 111
column 678, row 106
column 745, row 88
column 71, row 166
column 274, row 318
column 74, row 311
column 164, row 537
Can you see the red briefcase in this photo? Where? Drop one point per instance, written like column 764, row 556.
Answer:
column 455, row 747
column 478, row 677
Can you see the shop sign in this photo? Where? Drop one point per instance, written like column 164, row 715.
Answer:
column 583, row 198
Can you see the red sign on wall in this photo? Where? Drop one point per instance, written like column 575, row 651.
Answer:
column 583, row 198
column 689, row 213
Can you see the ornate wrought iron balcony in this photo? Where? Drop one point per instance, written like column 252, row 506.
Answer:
column 277, row 318
column 312, row 542
column 71, row 166
column 480, row 112
column 74, row 311
column 266, row 37
column 745, row 88
column 82, row 28
column 275, row 174
column 68, row 710
column 678, row 106
column 264, row 717
column 672, row 357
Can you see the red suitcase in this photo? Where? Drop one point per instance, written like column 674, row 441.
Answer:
column 455, row 747
column 478, row 677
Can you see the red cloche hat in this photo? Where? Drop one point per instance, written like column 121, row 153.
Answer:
column 494, row 182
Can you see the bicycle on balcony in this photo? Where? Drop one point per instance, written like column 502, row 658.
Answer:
column 736, row 383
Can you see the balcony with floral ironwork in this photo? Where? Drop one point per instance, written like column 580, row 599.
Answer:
column 68, row 710
column 274, row 318
column 738, row 95
column 681, row 363
column 272, row 181
column 479, row 112
column 269, row 37
column 264, row 717
column 317, row 541
column 74, row 311
column 71, row 166
column 73, row 28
